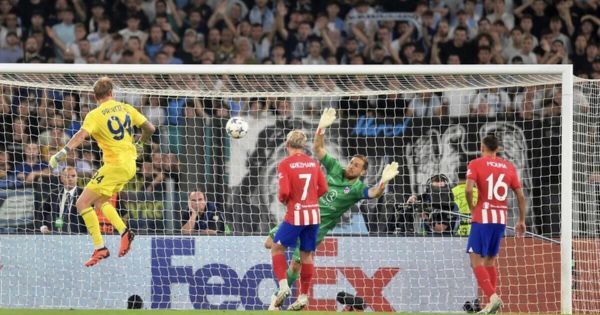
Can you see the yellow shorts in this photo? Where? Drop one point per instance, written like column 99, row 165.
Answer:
column 111, row 178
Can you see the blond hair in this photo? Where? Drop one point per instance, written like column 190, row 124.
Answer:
column 296, row 139
column 103, row 88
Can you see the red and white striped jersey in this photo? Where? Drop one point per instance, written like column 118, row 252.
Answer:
column 494, row 176
column 301, row 183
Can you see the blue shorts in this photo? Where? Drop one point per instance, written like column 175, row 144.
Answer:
column 485, row 239
column 288, row 236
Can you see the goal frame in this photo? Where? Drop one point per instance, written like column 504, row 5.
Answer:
column 567, row 80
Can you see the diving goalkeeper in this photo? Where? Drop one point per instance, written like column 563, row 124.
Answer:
column 111, row 125
column 345, row 190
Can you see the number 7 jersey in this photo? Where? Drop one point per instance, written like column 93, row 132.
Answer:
column 494, row 176
column 301, row 183
column 111, row 125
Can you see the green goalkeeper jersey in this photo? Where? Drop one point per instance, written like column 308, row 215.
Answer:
column 342, row 193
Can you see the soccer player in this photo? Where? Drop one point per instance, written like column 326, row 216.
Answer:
column 111, row 125
column 492, row 176
column 345, row 190
column 301, row 183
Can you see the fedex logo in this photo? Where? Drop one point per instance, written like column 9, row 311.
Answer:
column 243, row 288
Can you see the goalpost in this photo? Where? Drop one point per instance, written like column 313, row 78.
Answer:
column 398, row 256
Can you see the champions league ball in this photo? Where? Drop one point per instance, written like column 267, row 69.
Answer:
column 236, row 127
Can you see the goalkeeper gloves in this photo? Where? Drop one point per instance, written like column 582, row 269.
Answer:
column 58, row 157
column 327, row 119
column 389, row 172
column 139, row 148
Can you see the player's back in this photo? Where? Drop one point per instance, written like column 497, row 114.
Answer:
column 306, row 184
column 111, row 125
column 494, row 177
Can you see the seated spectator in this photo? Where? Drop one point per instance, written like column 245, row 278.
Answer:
column 59, row 213
column 31, row 168
column 204, row 217
column 526, row 52
column 12, row 51
column 8, row 179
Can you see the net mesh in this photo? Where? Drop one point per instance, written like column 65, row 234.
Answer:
column 397, row 255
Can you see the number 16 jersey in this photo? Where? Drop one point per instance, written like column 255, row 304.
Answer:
column 494, row 176
column 111, row 125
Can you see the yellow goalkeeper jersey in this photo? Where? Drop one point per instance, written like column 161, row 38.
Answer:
column 111, row 125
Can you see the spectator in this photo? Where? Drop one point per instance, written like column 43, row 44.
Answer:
column 8, row 179
column 59, row 213
column 32, row 167
column 98, row 13
column 314, row 53
column 54, row 136
column 134, row 44
column 538, row 11
column 226, row 48
column 204, row 217
column 526, row 52
column 155, row 41
column 12, row 51
column 64, row 31
column 261, row 43
column 262, row 14
column 457, row 46
column 32, row 51
column 133, row 30
column 196, row 22
column 425, row 104
column 296, row 45
column 491, row 102
column 555, row 29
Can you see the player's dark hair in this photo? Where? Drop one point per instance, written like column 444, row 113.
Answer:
column 491, row 142
column 364, row 159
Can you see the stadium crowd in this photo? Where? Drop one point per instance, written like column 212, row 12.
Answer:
column 303, row 32
column 35, row 122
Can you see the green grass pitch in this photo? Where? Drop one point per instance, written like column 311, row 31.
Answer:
column 156, row 312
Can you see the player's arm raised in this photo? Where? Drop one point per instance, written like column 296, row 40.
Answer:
column 327, row 119
column 73, row 143
column 389, row 172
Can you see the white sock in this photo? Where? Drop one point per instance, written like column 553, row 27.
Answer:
column 283, row 285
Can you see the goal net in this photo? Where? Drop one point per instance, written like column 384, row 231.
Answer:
column 394, row 254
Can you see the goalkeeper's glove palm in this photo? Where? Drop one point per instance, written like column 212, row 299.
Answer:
column 389, row 172
column 327, row 118
column 57, row 158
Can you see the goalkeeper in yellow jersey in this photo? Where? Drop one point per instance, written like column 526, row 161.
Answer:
column 111, row 125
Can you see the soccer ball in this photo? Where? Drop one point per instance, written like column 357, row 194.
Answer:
column 236, row 127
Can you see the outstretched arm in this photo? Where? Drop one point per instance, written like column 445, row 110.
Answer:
column 327, row 119
column 389, row 172
column 73, row 143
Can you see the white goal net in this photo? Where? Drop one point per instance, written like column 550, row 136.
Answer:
column 396, row 255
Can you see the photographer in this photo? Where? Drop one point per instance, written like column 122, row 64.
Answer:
column 435, row 207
